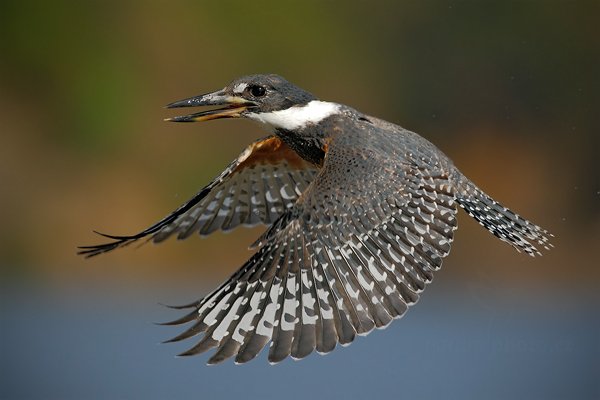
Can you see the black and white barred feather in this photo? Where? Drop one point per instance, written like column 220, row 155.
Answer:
column 256, row 188
column 314, row 284
column 503, row 223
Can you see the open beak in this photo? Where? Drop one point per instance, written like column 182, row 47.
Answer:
column 234, row 107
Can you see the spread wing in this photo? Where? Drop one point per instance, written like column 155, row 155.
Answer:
column 351, row 255
column 257, row 187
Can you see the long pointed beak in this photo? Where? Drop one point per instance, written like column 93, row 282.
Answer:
column 234, row 107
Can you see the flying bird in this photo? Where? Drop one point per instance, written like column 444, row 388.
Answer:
column 360, row 213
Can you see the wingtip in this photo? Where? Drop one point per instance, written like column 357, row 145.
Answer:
column 113, row 237
column 172, row 340
column 180, row 307
column 216, row 359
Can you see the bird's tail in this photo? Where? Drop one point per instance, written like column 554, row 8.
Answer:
column 523, row 235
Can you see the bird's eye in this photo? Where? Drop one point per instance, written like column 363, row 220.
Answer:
column 257, row 91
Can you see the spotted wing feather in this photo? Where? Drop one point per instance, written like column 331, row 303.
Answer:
column 502, row 222
column 311, row 285
column 257, row 187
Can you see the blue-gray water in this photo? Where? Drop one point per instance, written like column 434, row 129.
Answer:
column 92, row 345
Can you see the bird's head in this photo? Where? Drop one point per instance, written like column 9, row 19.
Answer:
column 269, row 99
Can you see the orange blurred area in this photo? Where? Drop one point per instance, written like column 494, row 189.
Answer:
column 85, row 146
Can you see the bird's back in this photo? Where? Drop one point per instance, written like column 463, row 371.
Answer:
column 384, row 161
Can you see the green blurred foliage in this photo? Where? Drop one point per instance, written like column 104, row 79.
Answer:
column 508, row 89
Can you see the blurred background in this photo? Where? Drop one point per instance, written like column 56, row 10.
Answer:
column 508, row 90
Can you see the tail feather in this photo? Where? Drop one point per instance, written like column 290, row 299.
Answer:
column 520, row 233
